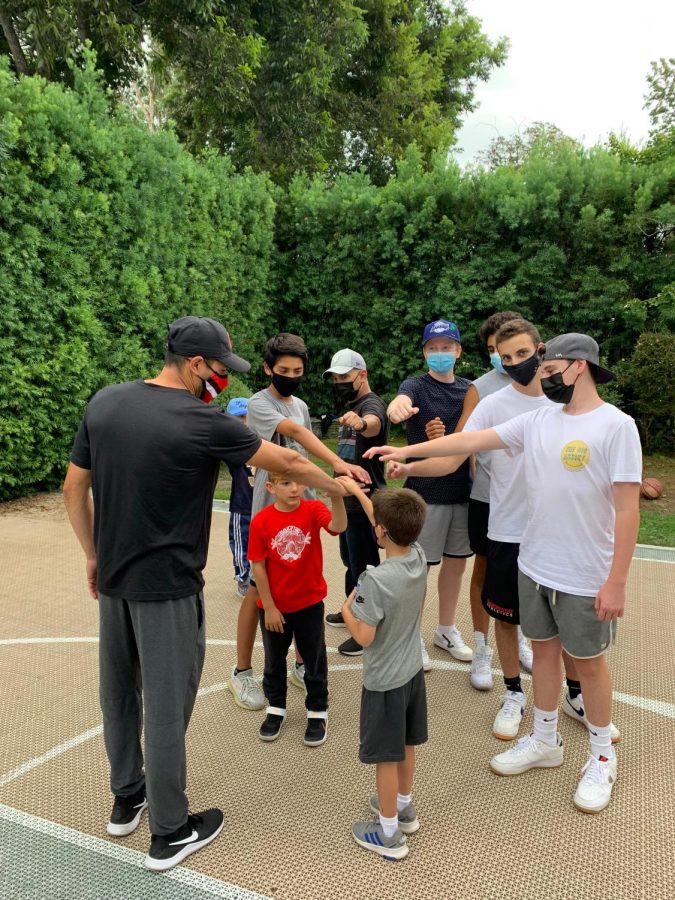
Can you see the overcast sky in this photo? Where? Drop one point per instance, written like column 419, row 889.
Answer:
column 580, row 64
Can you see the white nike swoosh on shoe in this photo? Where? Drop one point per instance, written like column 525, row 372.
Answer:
column 187, row 840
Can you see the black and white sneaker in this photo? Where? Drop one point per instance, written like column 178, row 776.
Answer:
column 126, row 813
column 270, row 728
column 350, row 647
column 168, row 850
column 335, row 619
column 316, row 732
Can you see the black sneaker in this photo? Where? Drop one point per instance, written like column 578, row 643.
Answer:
column 316, row 732
column 335, row 619
column 126, row 813
column 350, row 648
column 167, row 850
column 270, row 728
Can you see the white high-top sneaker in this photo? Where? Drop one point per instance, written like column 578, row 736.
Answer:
column 480, row 674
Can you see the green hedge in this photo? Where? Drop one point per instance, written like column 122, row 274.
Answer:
column 107, row 233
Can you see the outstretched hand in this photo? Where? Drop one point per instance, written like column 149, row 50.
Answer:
column 343, row 468
column 401, row 408
column 351, row 487
column 434, row 429
column 397, row 469
column 386, row 453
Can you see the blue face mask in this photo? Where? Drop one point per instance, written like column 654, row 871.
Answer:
column 441, row 362
column 496, row 361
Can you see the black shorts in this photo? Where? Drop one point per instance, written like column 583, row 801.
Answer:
column 392, row 720
column 479, row 513
column 500, row 589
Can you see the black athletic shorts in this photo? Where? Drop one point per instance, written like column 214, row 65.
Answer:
column 500, row 589
column 392, row 720
column 479, row 513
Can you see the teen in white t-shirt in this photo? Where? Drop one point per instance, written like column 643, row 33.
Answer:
column 582, row 476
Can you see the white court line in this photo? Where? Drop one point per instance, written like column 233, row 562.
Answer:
column 134, row 858
column 214, row 642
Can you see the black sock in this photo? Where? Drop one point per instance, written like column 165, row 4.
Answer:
column 239, row 671
column 513, row 684
column 574, row 688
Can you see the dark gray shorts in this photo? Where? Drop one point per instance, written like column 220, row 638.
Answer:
column 392, row 720
column 546, row 613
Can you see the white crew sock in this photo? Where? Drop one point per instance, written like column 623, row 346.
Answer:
column 546, row 726
column 389, row 826
column 601, row 741
column 447, row 630
column 480, row 639
column 403, row 800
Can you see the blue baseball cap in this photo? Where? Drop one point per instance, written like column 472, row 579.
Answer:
column 238, row 406
column 441, row 328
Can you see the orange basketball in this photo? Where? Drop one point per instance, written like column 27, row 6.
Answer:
column 651, row 488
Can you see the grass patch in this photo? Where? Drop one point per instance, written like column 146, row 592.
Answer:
column 657, row 528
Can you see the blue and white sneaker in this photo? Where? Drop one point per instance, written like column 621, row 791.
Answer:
column 575, row 710
column 370, row 835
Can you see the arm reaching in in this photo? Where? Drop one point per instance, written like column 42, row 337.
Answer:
column 314, row 445
column 462, row 444
column 294, row 465
column 351, row 487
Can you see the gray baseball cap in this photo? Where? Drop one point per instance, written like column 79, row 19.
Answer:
column 578, row 346
column 344, row 361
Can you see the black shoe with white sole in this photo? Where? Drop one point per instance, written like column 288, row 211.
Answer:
column 336, row 620
column 270, row 728
column 168, row 850
column 350, row 647
column 316, row 732
column 126, row 813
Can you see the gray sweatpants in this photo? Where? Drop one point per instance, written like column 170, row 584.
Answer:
column 151, row 655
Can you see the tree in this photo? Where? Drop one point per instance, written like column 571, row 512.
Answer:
column 540, row 139
column 322, row 86
column 660, row 98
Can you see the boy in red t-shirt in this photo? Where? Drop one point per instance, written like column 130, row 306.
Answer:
column 285, row 552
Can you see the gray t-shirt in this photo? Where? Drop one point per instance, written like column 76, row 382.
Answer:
column 265, row 413
column 390, row 597
column 489, row 383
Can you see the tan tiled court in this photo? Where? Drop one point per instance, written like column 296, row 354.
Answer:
column 288, row 807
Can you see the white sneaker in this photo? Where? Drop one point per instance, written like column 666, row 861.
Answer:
column 524, row 652
column 510, row 715
column 297, row 676
column 575, row 710
column 245, row 689
column 454, row 644
column 480, row 675
column 595, row 788
column 426, row 660
column 527, row 754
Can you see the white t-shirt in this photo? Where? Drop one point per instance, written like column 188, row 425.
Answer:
column 571, row 463
column 508, row 496
column 487, row 384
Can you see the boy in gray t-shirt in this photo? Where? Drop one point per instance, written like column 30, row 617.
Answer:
column 382, row 614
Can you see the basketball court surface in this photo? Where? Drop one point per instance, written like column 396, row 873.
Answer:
column 289, row 808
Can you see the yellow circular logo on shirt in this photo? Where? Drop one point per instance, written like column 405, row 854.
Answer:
column 575, row 455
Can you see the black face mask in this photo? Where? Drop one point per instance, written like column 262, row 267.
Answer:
column 344, row 391
column 285, row 384
column 524, row 371
column 555, row 388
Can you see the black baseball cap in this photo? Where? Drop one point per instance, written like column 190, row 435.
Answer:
column 200, row 336
column 578, row 346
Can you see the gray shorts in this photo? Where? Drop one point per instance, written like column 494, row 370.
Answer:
column 393, row 720
column 445, row 532
column 546, row 613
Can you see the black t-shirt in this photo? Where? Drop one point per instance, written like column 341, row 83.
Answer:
column 352, row 445
column 437, row 398
column 154, row 454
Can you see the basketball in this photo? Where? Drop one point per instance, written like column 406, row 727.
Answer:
column 651, row 488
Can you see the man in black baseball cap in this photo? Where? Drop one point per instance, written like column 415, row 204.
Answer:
column 151, row 453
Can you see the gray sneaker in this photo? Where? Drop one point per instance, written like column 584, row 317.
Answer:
column 407, row 818
column 245, row 689
column 370, row 836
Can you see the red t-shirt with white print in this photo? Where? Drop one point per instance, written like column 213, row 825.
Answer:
column 290, row 544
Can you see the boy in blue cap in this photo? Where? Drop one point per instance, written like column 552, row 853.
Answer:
column 241, row 498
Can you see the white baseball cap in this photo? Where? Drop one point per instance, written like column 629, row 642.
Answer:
column 344, row 361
